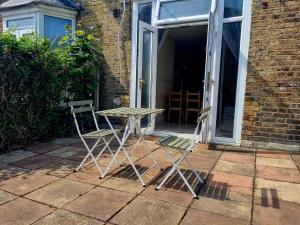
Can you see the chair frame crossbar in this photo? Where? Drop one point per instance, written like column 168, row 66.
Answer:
column 201, row 122
column 87, row 106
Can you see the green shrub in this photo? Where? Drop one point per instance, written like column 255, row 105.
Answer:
column 35, row 79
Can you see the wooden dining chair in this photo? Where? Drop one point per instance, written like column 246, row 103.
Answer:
column 175, row 104
column 193, row 103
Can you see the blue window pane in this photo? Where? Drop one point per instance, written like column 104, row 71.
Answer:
column 183, row 8
column 55, row 28
column 233, row 8
column 23, row 22
column 145, row 12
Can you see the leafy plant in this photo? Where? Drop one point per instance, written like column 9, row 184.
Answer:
column 34, row 80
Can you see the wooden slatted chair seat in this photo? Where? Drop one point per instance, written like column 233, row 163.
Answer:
column 99, row 133
column 175, row 142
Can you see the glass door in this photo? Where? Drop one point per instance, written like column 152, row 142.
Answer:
column 147, row 58
column 212, row 52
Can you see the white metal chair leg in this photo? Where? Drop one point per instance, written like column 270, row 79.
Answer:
column 186, row 183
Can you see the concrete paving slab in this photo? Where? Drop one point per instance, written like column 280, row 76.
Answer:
column 65, row 152
column 247, row 158
column 273, row 154
column 237, row 210
column 285, row 213
column 60, row 192
column 100, row 203
column 6, row 197
column 123, row 185
column 296, row 158
column 43, row 147
column 22, row 211
column 65, row 141
column 148, row 211
column 35, row 162
column 282, row 163
column 276, row 190
column 26, row 183
column 61, row 168
column 235, row 168
column 63, row 217
column 194, row 216
column 15, row 156
column 7, row 172
column 85, row 177
column 173, row 197
column 279, row 174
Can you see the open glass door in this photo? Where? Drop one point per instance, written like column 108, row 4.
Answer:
column 213, row 45
column 147, row 59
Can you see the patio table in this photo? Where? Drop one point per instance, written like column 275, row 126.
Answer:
column 133, row 116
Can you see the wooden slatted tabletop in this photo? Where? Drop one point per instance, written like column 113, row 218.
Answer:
column 128, row 112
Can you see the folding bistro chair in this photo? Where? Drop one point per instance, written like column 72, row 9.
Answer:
column 100, row 135
column 184, row 146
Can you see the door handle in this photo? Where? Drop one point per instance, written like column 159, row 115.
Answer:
column 141, row 82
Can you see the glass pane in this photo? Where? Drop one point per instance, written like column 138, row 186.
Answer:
column 184, row 8
column 228, row 79
column 23, row 22
column 145, row 12
column 55, row 28
column 233, row 8
column 146, row 69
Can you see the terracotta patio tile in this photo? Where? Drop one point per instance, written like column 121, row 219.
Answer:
column 65, row 152
column 206, row 153
column 282, row 163
column 22, row 211
column 60, row 192
column 235, row 168
column 15, row 156
column 173, row 197
column 85, row 177
column 285, row 213
column 237, row 210
column 201, row 163
column 194, row 216
column 63, row 217
column 296, row 158
column 273, row 154
column 269, row 190
column 149, row 211
column 60, row 169
column 129, row 186
column 26, row 183
column 35, row 162
column 276, row 173
column 247, row 158
column 230, row 179
column 100, row 203
column 43, row 147
column 6, row 197
column 7, row 172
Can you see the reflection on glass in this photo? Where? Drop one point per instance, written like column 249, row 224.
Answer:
column 183, row 8
column 233, row 8
column 55, row 28
column 145, row 11
column 146, row 69
column 23, row 22
column 228, row 79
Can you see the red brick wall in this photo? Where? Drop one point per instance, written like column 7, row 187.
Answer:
column 272, row 103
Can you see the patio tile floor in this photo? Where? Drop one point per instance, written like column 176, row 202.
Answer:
column 258, row 188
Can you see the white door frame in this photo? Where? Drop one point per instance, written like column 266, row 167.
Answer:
column 242, row 70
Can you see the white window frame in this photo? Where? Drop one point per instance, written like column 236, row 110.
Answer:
column 38, row 12
column 186, row 19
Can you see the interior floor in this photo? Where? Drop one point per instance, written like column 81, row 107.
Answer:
column 180, row 68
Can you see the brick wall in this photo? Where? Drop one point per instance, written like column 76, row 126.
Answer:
column 272, row 103
column 117, row 57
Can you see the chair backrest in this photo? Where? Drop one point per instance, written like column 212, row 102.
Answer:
column 83, row 107
column 202, row 119
column 175, row 99
column 193, row 99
